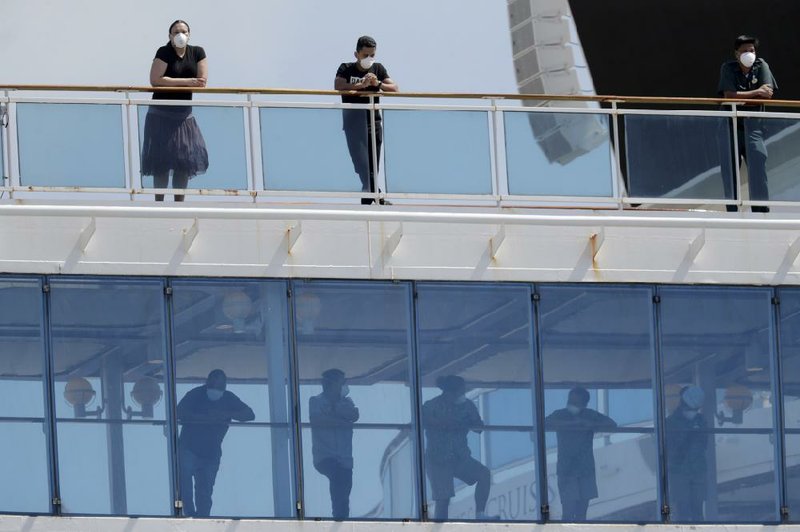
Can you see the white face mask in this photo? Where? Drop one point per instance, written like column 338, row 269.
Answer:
column 214, row 395
column 367, row 62
column 180, row 40
column 461, row 399
column 747, row 59
column 574, row 410
column 345, row 391
column 690, row 414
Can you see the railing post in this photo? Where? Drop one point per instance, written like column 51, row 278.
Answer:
column 617, row 188
column 252, row 125
column 4, row 168
column 12, row 146
column 737, row 172
column 379, row 183
column 498, row 152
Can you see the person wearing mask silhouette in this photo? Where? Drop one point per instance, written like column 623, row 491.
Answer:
column 204, row 414
column 332, row 415
column 686, row 442
column 447, row 419
column 363, row 75
column 575, row 427
column 749, row 77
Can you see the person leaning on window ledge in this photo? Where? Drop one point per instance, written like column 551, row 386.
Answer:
column 748, row 77
column 172, row 139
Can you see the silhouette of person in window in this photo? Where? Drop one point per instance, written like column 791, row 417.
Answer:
column 447, row 420
column 205, row 413
column 332, row 414
column 686, row 441
column 575, row 427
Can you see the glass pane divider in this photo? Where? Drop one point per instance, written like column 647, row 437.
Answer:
column 618, row 189
column 416, row 397
column 294, row 395
column 660, row 411
column 50, row 405
column 539, row 412
column 778, row 412
column 172, row 395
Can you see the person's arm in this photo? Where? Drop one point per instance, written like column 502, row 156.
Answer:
column 601, row 422
column 187, row 410
column 388, row 85
column 239, row 411
column 158, row 79
column 476, row 424
column 341, row 84
column 346, row 410
column 763, row 92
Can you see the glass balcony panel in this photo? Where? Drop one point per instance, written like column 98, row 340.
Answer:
column 354, row 366
column 220, row 132
column 597, row 355
column 24, row 468
column 558, row 154
column 437, row 152
column 109, row 360
column 684, row 157
column 476, row 373
column 306, row 149
column 718, row 356
column 235, row 451
column 771, row 149
column 70, row 145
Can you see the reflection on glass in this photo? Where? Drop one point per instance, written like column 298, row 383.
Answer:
column 558, row 154
column 773, row 165
column 685, row 157
column 718, row 396
column 476, row 370
column 212, row 156
column 597, row 355
column 354, row 365
column 70, row 145
column 790, row 375
column 437, row 152
column 288, row 136
column 23, row 445
column 108, row 345
column 234, row 450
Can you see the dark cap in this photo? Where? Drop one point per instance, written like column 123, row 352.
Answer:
column 745, row 39
column 333, row 375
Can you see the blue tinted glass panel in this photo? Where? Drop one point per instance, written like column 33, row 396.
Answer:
column 437, row 152
column 558, row 154
column 232, row 372
column 771, row 146
column 717, row 354
column 70, row 145
column 220, row 130
column 23, row 446
column 687, row 157
column 597, row 354
column 790, row 373
column 354, row 368
column 476, row 371
column 108, row 348
column 306, row 149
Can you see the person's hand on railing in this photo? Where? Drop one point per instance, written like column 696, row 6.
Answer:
column 764, row 91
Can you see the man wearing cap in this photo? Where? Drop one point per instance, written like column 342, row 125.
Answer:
column 686, row 441
column 447, row 419
column 575, row 428
column 748, row 77
column 364, row 75
column 332, row 415
column 205, row 414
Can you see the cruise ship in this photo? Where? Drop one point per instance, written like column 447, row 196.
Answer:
column 524, row 249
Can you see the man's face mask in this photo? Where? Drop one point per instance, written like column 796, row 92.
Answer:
column 367, row 62
column 574, row 410
column 747, row 59
column 690, row 414
column 345, row 391
column 214, row 394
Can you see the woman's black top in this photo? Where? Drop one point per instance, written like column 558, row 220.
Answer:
column 179, row 67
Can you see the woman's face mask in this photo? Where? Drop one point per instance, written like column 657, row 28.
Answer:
column 179, row 40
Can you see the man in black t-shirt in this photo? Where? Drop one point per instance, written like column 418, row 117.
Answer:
column 363, row 75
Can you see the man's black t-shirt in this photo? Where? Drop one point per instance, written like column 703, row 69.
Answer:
column 179, row 67
column 353, row 74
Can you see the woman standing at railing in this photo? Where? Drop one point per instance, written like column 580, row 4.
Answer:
column 172, row 140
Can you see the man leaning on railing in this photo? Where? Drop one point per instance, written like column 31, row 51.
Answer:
column 748, row 77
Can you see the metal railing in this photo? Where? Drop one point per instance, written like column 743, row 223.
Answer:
column 286, row 146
